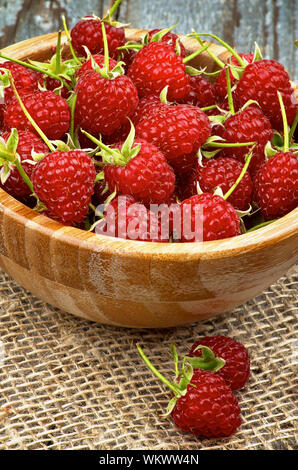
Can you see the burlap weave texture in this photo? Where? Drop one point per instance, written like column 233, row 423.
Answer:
column 66, row 383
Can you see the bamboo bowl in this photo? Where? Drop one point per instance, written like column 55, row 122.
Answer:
column 131, row 283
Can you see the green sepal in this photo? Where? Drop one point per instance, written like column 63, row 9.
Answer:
column 257, row 53
column 170, row 408
column 99, row 177
column 244, row 213
column 192, row 71
column 269, row 150
column 163, row 95
column 157, row 37
column 4, row 79
column 208, row 361
column 12, row 142
column 5, row 171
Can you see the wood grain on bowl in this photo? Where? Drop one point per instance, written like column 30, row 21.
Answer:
column 130, row 283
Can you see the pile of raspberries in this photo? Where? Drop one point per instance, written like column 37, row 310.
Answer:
column 114, row 131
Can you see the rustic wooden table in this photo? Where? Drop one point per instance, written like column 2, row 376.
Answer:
column 272, row 23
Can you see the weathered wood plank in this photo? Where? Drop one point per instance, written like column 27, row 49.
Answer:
column 272, row 23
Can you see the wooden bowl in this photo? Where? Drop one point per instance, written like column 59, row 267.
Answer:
column 131, row 283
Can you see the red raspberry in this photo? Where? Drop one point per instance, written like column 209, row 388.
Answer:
column 127, row 56
column 221, row 81
column 99, row 59
column 223, row 172
column 209, row 408
column 103, row 105
column 147, row 176
column 169, row 38
column 24, row 79
column 156, row 66
column 50, row 111
column 260, row 82
column 88, row 32
column 64, row 182
column 249, row 125
column 15, row 185
column 125, row 218
column 276, row 185
column 236, row 370
column 175, row 130
column 202, row 93
column 216, row 218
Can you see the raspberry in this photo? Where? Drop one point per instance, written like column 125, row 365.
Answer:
column 236, row 370
column 155, row 66
column 260, row 82
column 88, row 32
column 15, row 185
column 125, row 218
column 209, row 408
column 276, row 185
column 175, row 130
column 216, row 218
column 24, row 79
column 64, row 182
column 99, row 59
column 103, row 104
column 147, row 176
column 49, row 111
column 202, row 93
column 223, row 172
column 220, row 85
column 169, row 38
column 249, row 125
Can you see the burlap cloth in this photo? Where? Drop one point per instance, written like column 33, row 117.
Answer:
column 66, row 383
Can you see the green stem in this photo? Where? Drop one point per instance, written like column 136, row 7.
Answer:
column 30, row 119
column 263, row 224
column 37, row 69
column 58, row 54
column 69, row 41
column 92, row 207
column 229, row 90
column 169, row 384
column 219, row 62
column 247, row 162
column 106, row 47
column 96, row 141
column 294, row 125
column 285, row 123
column 206, row 108
column 114, row 7
column 228, row 145
column 227, row 46
column 24, row 175
column 194, row 54
column 72, row 111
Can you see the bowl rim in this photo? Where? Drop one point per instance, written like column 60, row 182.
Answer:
column 285, row 227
